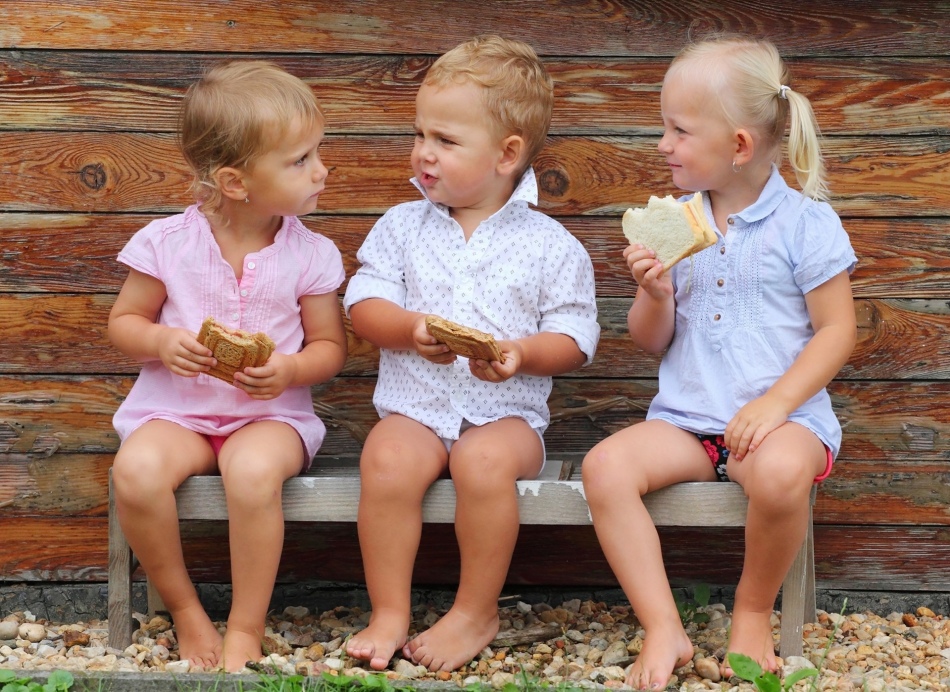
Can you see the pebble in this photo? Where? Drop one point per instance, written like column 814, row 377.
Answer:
column 593, row 646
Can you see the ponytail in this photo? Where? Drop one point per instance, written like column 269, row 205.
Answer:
column 804, row 148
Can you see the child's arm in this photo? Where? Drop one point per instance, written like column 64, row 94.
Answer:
column 322, row 356
column 831, row 310
column 652, row 316
column 387, row 325
column 134, row 331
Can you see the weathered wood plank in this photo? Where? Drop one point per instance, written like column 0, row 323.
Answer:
column 629, row 27
column 75, row 253
column 872, row 493
column 103, row 172
column 66, row 485
column 53, row 90
column 66, row 334
column 893, row 420
column 321, row 499
column 852, row 557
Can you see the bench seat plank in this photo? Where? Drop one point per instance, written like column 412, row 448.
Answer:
column 335, row 498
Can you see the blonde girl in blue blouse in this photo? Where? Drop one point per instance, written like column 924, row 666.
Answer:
column 754, row 328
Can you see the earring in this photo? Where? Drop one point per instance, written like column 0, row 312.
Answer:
column 735, row 169
column 246, row 200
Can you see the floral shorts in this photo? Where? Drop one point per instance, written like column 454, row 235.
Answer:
column 719, row 455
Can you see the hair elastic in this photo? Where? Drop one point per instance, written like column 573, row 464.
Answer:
column 783, row 92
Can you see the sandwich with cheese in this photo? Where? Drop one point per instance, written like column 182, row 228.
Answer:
column 673, row 230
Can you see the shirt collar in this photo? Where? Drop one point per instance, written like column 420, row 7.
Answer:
column 772, row 195
column 525, row 191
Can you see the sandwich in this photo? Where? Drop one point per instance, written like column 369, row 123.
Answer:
column 464, row 341
column 673, row 230
column 234, row 349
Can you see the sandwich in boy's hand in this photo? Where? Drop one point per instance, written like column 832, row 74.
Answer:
column 234, row 349
column 464, row 341
column 673, row 230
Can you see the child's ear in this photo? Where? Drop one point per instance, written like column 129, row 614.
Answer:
column 230, row 182
column 513, row 150
column 745, row 147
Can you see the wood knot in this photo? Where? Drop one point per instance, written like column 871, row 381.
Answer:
column 554, row 182
column 93, row 176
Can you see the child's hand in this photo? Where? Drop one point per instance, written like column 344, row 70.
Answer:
column 428, row 347
column 182, row 353
column 495, row 371
column 647, row 271
column 270, row 380
column 752, row 423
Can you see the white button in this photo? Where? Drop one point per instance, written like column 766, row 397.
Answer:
column 244, row 291
column 235, row 316
column 251, row 265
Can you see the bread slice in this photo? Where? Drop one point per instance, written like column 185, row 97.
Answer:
column 673, row 230
column 234, row 349
column 464, row 341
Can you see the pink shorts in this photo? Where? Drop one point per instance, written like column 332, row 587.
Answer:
column 217, row 442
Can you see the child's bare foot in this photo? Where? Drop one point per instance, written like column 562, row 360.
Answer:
column 453, row 641
column 385, row 634
column 752, row 636
column 239, row 648
column 198, row 639
column 664, row 650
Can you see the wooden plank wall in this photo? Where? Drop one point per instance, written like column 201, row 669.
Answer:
column 88, row 98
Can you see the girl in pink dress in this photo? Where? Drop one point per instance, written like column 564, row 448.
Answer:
column 251, row 134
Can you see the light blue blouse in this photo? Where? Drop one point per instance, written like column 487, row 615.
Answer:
column 741, row 318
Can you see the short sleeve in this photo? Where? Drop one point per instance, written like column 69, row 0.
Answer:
column 141, row 252
column 381, row 273
column 326, row 273
column 821, row 249
column 567, row 301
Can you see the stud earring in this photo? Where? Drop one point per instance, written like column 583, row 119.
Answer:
column 246, row 200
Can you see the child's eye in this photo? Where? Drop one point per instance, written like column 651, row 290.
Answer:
column 302, row 160
column 443, row 140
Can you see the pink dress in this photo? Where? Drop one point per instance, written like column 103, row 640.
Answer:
column 182, row 253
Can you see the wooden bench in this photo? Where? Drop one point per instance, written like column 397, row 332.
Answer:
column 330, row 493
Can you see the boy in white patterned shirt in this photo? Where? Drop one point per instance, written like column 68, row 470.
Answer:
column 474, row 252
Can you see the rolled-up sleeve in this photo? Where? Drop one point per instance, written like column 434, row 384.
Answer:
column 568, row 303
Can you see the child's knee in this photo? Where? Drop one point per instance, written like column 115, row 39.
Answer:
column 601, row 473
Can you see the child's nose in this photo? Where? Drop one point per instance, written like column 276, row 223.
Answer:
column 320, row 171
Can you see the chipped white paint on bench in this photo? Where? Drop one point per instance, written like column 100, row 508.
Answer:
column 331, row 494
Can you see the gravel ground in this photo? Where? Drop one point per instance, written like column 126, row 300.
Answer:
column 577, row 643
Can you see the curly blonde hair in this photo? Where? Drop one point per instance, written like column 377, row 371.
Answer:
column 753, row 86
column 233, row 114
column 518, row 91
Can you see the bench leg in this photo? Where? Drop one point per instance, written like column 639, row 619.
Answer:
column 798, row 595
column 120, row 580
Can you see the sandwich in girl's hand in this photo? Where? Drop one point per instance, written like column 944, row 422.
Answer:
column 235, row 349
column 673, row 230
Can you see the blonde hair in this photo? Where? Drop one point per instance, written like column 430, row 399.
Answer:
column 232, row 115
column 752, row 84
column 518, row 92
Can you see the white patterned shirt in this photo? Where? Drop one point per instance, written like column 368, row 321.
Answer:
column 520, row 273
